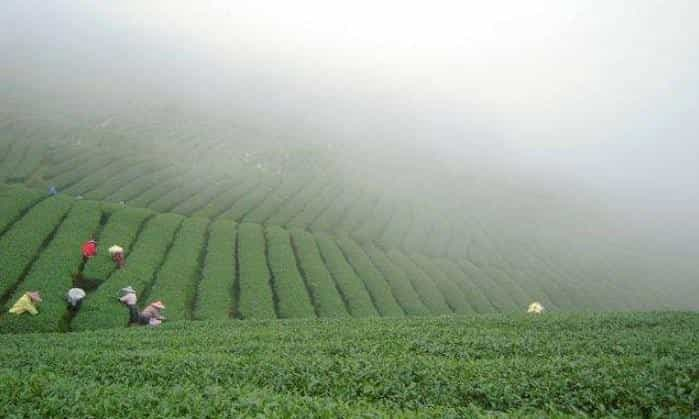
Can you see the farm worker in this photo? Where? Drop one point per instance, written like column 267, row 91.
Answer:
column 117, row 254
column 149, row 316
column 535, row 308
column 52, row 190
column 153, row 312
column 74, row 297
column 27, row 303
column 89, row 249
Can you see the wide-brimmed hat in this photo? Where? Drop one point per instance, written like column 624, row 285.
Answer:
column 158, row 304
column 127, row 290
column 116, row 249
column 35, row 296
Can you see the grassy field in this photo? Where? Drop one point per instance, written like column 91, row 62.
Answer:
column 557, row 365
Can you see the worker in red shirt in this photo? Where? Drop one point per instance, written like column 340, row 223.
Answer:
column 89, row 249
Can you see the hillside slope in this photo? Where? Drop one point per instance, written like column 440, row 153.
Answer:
column 212, row 270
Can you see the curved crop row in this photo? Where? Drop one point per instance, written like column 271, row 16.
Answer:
column 330, row 218
column 348, row 283
column 221, row 203
column 121, row 229
column 495, row 294
column 375, row 283
column 472, row 293
column 292, row 297
column 327, row 299
column 156, row 191
column 130, row 190
column 52, row 272
column 14, row 157
column 290, row 187
column 316, row 206
column 181, row 193
column 134, row 173
column 425, row 287
column 203, row 197
column 256, row 300
column 13, row 201
column 22, row 242
column 215, row 295
column 297, row 202
column 102, row 309
column 250, row 200
column 453, row 294
column 176, row 283
column 401, row 287
column 30, row 162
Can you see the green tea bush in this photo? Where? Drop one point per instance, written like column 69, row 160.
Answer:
column 21, row 243
column 375, row 283
column 13, row 201
column 351, row 287
column 215, row 296
column 256, row 300
column 176, row 282
column 289, row 188
column 250, row 200
column 102, row 309
column 401, row 287
column 424, row 286
column 121, row 229
column 134, row 173
column 324, row 293
column 473, row 294
column 453, row 294
column 293, row 300
column 498, row 297
column 221, row 203
column 129, row 191
column 52, row 272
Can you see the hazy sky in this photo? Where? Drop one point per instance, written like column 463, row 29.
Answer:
column 605, row 91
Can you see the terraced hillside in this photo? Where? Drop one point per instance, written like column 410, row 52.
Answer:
column 223, row 229
column 218, row 270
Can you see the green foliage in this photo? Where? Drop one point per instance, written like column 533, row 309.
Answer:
column 252, row 199
column 13, row 201
column 401, row 287
column 292, row 297
column 225, row 201
column 121, row 229
column 453, row 294
column 21, row 243
column 256, row 300
column 215, row 294
column 611, row 365
column 325, row 295
column 82, row 172
column 129, row 191
column 131, row 173
column 177, row 279
column 375, row 283
column 424, row 286
column 102, row 309
column 348, row 283
column 52, row 272
column 472, row 293
column 497, row 296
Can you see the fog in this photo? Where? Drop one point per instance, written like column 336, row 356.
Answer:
column 602, row 94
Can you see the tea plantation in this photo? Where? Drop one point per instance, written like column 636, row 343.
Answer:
column 298, row 286
column 559, row 365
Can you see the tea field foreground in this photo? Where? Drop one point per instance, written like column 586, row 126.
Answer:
column 629, row 365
